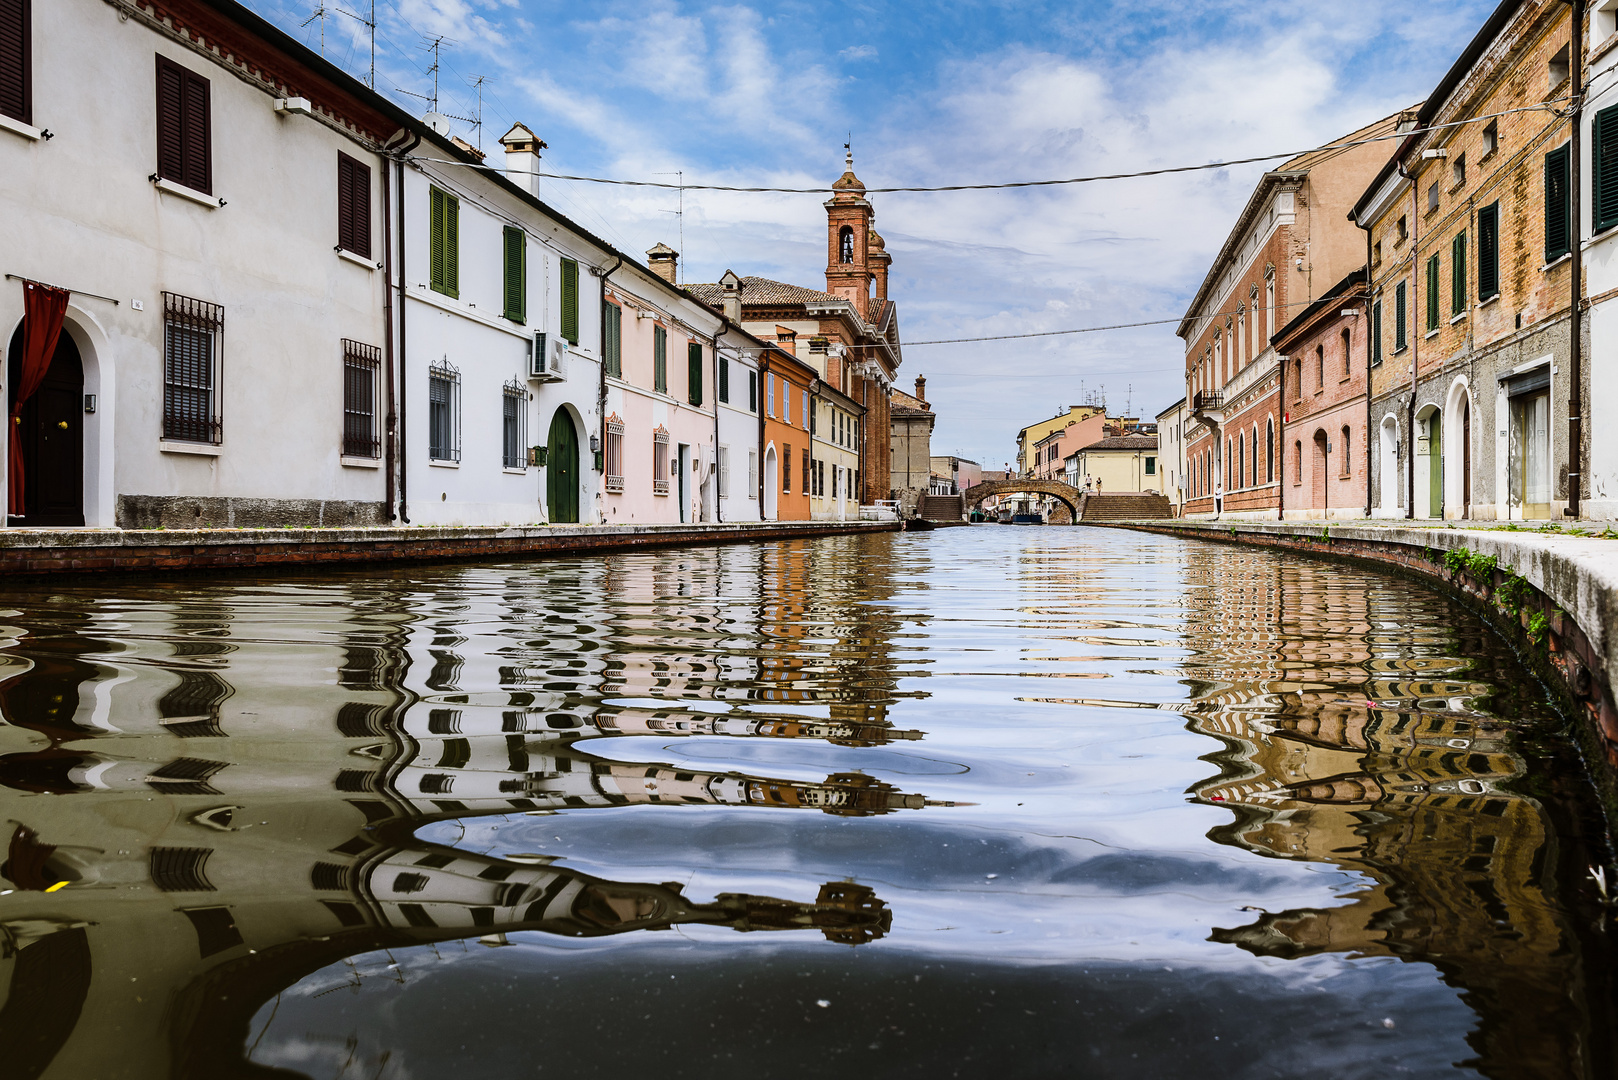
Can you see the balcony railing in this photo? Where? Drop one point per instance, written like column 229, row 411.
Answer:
column 1207, row 399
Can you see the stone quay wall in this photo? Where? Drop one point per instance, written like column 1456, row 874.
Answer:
column 1553, row 596
column 40, row 552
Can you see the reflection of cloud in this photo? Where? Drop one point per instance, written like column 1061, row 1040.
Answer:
column 859, row 52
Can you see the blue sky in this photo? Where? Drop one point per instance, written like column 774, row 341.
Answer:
column 933, row 93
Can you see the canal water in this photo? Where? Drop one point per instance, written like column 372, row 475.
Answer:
column 977, row 802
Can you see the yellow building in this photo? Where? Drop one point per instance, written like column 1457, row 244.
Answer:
column 1033, row 434
column 1116, row 463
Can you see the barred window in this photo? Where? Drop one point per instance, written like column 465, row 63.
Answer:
column 752, row 474
column 514, row 425
column 786, row 466
column 192, row 346
column 361, row 364
column 660, row 462
column 724, row 472
column 444, row 412
column 615, row 454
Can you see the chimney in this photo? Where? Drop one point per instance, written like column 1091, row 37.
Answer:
column 522, row 157
column 731, row 303
column 665, row 262
column 921, row 390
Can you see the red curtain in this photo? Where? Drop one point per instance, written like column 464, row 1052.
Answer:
column 43, row 308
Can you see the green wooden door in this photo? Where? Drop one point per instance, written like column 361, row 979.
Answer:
column 1435, row 465
column 562, row 469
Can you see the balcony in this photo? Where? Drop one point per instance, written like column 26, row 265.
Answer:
column 1208, row 401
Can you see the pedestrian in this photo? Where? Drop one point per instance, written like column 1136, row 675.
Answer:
column 1098, row 485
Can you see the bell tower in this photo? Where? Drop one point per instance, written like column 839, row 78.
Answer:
column 848, row 239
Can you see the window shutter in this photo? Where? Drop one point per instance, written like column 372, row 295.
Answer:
column 1399, row 316
column 516, row 254
column 613, row 348
column 1557, row 238
column 1376, row 334
column 445, row 229
column 660, row 359
column 345, row 203
column 752, row 391
column 1457, row 274
column 1604, row 161
column 198, row 149
column 353, row 206
column 693, row 355
column 1489, row 251
column 724, row 379
column 170, row 121
column 16, row 56
column 570, row 300
column 1432, row 293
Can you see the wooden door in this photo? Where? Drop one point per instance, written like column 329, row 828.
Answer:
column 51, row 430
column 562, row 469
column 1435, row 466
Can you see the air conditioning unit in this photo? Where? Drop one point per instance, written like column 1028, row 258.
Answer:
column 547, row 357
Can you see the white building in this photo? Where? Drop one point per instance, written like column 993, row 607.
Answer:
column 1171, row 459
column 738, row 407
column 1600, row 174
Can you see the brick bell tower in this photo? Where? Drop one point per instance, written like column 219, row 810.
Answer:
column 848, row 240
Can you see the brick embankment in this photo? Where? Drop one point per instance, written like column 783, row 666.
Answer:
column 1553, row 595
column 25, row 552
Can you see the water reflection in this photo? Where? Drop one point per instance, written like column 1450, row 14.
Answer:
column 244, row 817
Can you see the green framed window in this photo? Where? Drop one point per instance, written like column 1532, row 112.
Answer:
column 724, row 378
column 570, row 300
column 612, row 345
column 1376, row 336
column 444, row 211
column 1432, row 292
column 1604, row 168
column 1457, row 274
column 1489, row 251
column 693, row 376
column 515, row 278
column 1558, row 209
column 1401, row 326
column 660, row 360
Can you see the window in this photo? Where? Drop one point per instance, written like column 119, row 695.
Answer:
column 1347, row 469
column 1253, row 458
column 724, row 472
column 361, row 365
column 1297, row 368
column 806, row 413
column 1348, row 352
column 1297, row 462
column 515, row 278
column 1376, row 253
column 353, row 205
column 1556, row 71
column 786, row 466
column 845, row 244
column 660, row 360
column 1457, row 171
column 1269, row 451
column 1489, row 252
column 1320, row 368
column 1432, row 198
column 16, row 61
column 808, row 466
column 1402, row 229
column 514, row 426
column 1604, row 168
column 445, row 226
column 1400, row 317
column 693, row 378
column 1241, row 458
column 1151, row 466
column 1491, row 138
column 770, row 392
column 724, row 376
column 444, row 412
column 660, row 462
column 752, row 391
column 1457, row 275
column 1269, row 305
column 1558, row 235
column 814, row 420
column 752, row 474
column 192, row 332
column 615, row 454
column 786, row 402
column 1376, row 332
column 1432, row 292
column 612, row 345
column 184, row 148
column 570, row 301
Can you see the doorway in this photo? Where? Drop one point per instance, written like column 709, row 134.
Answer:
column 1528, row 470
column 50, row 429
column 562, row 469
column 1429, row 493
column 771, row 482
column 1320, row 472
column 683, row 484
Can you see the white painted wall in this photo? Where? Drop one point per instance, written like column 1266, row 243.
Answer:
column 1601, row 278
column 738, row 430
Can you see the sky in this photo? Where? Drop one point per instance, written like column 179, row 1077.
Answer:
column 766, row 94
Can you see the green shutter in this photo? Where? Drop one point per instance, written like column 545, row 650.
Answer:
column 693, row 359
column 445, row 211
column 724, row 378
column 516, row 275
column 612, row 348
column 1399, row 316
column 660, row 360
column 1432, row 293
column 1604, row 162
column 1376, row 335
column 570, row 301
column 1457, row 274
column 1489, row 251
column 1558, row 237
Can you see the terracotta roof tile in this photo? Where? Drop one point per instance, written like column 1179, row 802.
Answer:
column 762, row 291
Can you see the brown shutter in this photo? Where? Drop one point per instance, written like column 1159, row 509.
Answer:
column 198, row 151
column 16, row 80
column 345, row 202
column 353, row 206
column 170, row 121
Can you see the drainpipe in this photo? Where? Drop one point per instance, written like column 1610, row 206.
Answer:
column 718, row 514
column 601, row 388
column 404, row 381
column 1366, row 310
column 1410, row 410
column 1575, row 408
column 388, row 452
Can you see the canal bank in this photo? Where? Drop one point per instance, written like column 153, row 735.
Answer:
column 1553, row 595
column 38, row 552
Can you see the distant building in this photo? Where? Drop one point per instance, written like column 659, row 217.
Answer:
column 1171, row 423
column 960, row 472
column 912, row 421
column 1115, row 463
column 1030, row 437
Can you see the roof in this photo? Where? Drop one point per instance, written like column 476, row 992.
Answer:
column 1123, row 442
column 902, row 402
column 763, row 291
column 1164, row 412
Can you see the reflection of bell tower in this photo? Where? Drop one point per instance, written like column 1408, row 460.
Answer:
column 848, row 232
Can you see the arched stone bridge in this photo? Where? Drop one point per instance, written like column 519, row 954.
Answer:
column 1057, row 489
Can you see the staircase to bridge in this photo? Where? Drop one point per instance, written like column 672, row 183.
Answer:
column 941, row 507
column 1125, row 506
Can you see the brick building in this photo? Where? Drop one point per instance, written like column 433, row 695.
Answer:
column 1471, row 287
column 1291, row 242
column 1323, row 454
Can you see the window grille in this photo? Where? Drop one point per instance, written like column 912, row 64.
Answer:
column 192, row 344
column 724, row 472
column 444, row 411
column 807, row 467
column 514, row 425
column 660, row 462
column 786, row 466
column 752, row 474
column 361, row 365
column 615, row 454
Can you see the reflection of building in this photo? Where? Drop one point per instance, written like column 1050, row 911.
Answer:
column 1383, row 763
column 233, row 801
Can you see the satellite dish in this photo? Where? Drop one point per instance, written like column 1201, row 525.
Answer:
column 438, row 122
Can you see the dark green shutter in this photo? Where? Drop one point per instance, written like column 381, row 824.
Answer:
column 613, row 347
column 1457, row 274
column 1432, row 293
column 1604, row 161
column 724, row 379
column 1376, row 335
column 445, row 227
column 660, row 360
column 752, row 391
column 570, row 301
column 1558, row 237
column 516, row 275
column 1489, row 251
column 1400, row 326
column 693, row 383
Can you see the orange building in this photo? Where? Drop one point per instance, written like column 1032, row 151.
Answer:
column 787, row 384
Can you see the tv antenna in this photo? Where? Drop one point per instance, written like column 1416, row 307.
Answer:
column 435, row 46
column 369, row 24
column 319, row 13
column 679, row 214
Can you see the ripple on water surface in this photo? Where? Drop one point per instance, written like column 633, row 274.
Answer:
column 1033, row 801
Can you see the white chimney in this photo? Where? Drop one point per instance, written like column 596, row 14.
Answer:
column 522, row 157
column 732, row 300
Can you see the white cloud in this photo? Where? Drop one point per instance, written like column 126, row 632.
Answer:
column 858, row 52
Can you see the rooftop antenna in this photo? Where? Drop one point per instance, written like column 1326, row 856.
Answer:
column 679, row 214
column 432, row 100
column 319, row 13
column 369, row 24
column 1129, row 397
column 477, row 121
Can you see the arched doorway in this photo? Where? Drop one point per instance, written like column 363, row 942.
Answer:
column 1319, row 473
column 1389, row 471
column 51, row 431
column 562, row 468
column 771, row 482
column 1428, row 498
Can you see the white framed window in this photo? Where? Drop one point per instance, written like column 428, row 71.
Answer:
column 444, row 411
column 192, row 335
column 752, row 474
column 724, row 472
column 660, row 462
column 514, row 425
column 615, row 454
